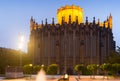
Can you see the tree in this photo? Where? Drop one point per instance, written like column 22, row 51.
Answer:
column 118, row 50
column 28, row 69
column 114, row 56
column 10, row 57
column 106, row 67
column 52, row 69
column 36, row 68
column 79, row 68
column 43, row 67
column 92, row 68
column 0, row 71
column 115, row 68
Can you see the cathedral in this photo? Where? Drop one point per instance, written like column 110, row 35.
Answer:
column 71, row 40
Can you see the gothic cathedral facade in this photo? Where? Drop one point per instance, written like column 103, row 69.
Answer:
column 71, row 41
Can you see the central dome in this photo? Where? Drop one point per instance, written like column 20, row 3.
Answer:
column 73, row 11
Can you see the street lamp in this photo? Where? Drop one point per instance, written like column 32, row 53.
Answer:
column 21, row 41
column 31, row 70
column 42, row 65
column 97, row 69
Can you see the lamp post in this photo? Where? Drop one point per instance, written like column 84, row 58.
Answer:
column 21, row 41
column 97, row 69
column 31, row 70
column 42, row 67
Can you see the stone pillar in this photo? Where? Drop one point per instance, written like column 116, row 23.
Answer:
column 49, row 62
column 98, row 48
column 65, row 60
column 32, row 42
column 82, row 46
column 91, row 46
column 40, row 45
column 34, row 49
column 43, row 47
column 73, row 48
column 58, row 51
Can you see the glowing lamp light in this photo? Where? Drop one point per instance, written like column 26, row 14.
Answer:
column 20, row 46
column 66, row 76
column 21, row 42
column 42, row 65
column 30, row 65
column 22, row 38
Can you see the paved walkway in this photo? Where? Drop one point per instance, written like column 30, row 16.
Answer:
column 97, row 78
column 71, row 78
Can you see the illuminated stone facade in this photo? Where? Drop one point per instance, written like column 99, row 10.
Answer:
column 71, row 41
column 70, row 11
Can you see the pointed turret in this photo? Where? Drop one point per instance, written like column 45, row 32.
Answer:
column 53, row 21
column 46, row 21
column 36, row 26
column 93, row 20
column 86, row 20
column 104, row 24
column 98, row 22
column 110, row 21
column 31, row 24
column 107, row 18
column 108, row 25
column 42, row 23
column 110, row 16
column 31, row 18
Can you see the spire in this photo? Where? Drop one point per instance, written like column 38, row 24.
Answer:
column 104, row 24
column 52, row 21
column 108, row 25
column 87, row 20
column 110, row 16
column 31, row 24
column 98, row 21
column 69, row 19
column 31, row 18
column 34, row 21
column 93, row 20
column 110, row 21
column 46, row 21
column 42, row 22
column 107, row 18
column 36, row 25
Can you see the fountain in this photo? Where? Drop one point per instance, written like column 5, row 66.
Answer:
column 66, row 76
column 41, row 76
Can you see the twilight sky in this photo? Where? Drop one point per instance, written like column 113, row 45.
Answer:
column 15, row 16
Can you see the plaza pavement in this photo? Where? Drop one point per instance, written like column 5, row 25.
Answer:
column 71, row 78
